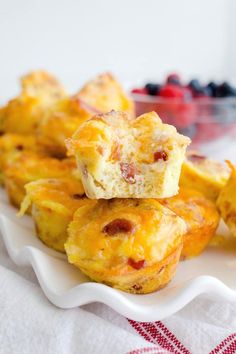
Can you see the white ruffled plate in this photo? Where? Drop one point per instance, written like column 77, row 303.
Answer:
column 66, row 287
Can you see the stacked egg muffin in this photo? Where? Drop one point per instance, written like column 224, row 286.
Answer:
column 103, row 186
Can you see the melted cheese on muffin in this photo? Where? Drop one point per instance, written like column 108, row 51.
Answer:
column 126, row 242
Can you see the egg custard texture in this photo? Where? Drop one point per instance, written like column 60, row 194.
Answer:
column 105, row 93
column 53, row 203
column 129, row 244
column 201, row 217
column 30, row 166
column 206, row 175
column 121, row 157
column 226, row 201
column 22, row 115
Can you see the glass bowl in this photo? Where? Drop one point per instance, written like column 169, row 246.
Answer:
column 209, row 122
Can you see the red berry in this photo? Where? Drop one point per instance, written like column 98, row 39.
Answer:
column 171, row 91
column 141, row 91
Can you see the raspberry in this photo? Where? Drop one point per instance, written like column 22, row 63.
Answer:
column 140, row 91
column 171, row 91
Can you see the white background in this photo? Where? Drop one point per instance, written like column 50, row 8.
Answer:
column 136, row 39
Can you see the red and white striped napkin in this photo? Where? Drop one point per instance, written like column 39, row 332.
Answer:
column 30, row 324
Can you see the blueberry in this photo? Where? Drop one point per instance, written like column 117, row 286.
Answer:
column 226, row 90
column 195, row 85
column 212, row 87
column 153, row 89
column 198, row 89
column 205, row 91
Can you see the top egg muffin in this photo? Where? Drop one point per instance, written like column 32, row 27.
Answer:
column 121, row 157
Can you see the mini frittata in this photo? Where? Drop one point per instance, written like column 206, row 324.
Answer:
column 130, row 244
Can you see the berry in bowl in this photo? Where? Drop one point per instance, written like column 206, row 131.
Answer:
column 203, row 112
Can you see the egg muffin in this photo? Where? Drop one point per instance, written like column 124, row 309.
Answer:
column 226, row 201
column 11, row 146
column 22, row 115
column 130, row 244
column 201, row 217
column 53, row 203
column 204, row 174
column 105, row 93
column 61, row 123
column 121, row 157
column 30, row 166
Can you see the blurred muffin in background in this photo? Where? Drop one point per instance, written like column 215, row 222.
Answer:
column 53, row 202
column 12, row 145
column 204, row 174
column 23, row 114
column 105, row 93
column 30, row 166
column 67, row 115
column 201, row 217
column 97, row 96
